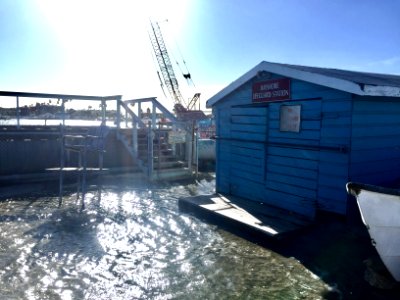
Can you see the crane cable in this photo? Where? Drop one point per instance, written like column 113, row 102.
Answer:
column 186, row 75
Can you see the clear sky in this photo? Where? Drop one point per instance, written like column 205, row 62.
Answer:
column 102, row 47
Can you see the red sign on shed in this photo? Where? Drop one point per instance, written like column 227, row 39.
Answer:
column 271, row 90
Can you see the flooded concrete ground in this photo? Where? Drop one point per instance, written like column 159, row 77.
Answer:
column 131, row 242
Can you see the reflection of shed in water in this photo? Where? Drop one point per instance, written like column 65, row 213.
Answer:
column 293, row 136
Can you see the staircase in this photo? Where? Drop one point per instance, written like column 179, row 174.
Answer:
column 159, row 156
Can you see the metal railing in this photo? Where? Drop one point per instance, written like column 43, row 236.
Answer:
column 129, row 114
column 60, row 98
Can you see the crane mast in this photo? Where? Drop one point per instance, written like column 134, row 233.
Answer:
column 165, row 65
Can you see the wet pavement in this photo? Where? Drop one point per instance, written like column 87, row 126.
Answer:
column 131, row 242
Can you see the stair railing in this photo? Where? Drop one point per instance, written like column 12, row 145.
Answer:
column 133, row 108
column 136, row 124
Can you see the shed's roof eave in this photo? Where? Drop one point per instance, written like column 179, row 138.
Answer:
column 234, row 85
column 328, row 81
column 308, row 76
column 382, row 90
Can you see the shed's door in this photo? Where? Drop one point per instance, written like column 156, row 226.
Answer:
column 248, row 133
column 292, row 155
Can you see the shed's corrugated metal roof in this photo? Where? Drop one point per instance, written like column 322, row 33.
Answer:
column 359, row 83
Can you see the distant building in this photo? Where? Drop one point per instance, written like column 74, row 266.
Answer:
column 62, row 115
column 293, row 136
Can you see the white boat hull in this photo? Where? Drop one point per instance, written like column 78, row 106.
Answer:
column 380, row 212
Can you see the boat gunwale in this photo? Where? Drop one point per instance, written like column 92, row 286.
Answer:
column 355, row 188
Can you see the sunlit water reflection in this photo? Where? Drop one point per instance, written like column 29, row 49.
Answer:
column 133, row 243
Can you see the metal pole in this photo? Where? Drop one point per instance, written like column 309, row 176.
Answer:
column 196, row 147
column 173, row 145
column 126, row 119
column 83, row 189
column 63, row 111
column 140, row 110
column 134, row 138
column 189, row 147
column 103, row 112
column 79, row 170
column 61, row 164
column 159, row 149
column 118, row 120
column 150, row 151
column 18, row 113
column 153, row 115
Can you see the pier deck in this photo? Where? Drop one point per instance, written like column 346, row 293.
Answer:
column 253, row 219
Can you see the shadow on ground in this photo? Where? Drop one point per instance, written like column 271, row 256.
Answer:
column 340, row 253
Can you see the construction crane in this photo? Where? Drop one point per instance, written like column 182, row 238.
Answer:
column 167, row 72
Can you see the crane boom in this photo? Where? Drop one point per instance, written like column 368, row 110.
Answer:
column 165, row 65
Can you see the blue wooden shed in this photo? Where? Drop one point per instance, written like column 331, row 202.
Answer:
column 293, row 136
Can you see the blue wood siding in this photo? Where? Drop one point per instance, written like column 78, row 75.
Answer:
column 291, row 179
column 222, row 116
column 334, row 157
column 375, row 155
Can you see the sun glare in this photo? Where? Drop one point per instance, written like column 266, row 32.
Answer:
column 105, row 44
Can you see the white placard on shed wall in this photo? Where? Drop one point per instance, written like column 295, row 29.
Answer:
column 290, row 118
